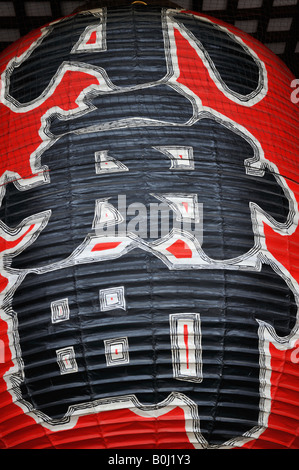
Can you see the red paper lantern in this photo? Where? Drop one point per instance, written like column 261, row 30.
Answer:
column 114, row 332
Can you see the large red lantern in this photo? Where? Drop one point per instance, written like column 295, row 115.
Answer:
column 149, row 235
